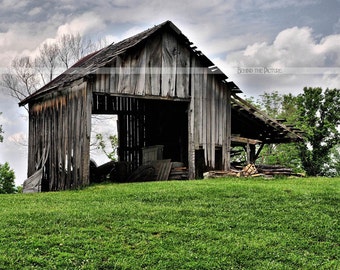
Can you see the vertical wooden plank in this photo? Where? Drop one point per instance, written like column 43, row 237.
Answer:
column 97, row 83
column 138, row 69
column 114, row 76
column 196, row 99
column 219, row 114
column 63, row 141
column 85, row 163
column 51, row 141
column 169, row 61
column 182, row 72
column 191, row 132
column 31, row 142
column 74, row 139
column 70, row 117
column 153, row 63
column 124, row 74
column 227, row 138
column 58, row 136
column 205, row 115
column 87, row 135
column 212, row 120
column 107, row 81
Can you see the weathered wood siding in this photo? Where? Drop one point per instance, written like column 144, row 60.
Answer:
column 164, row 67
column 209, row 118
column 160, row 68
column 61, row 126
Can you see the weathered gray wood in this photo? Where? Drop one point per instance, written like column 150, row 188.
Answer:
column 33, row 183
column 227, row 144
column 153, row 66
column 207, row 117
column 182, row 72
column 138, row 69
column 113, row 77
column 169, row 61
column 124, row 78
column 213, row 135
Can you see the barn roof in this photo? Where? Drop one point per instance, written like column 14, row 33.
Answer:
column 250, row 122
column 91, row 63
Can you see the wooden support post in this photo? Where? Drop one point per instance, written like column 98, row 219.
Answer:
column 248, row 153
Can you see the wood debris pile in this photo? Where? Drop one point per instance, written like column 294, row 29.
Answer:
column 156, row 170
column 254, row 171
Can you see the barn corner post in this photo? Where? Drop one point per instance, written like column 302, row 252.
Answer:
column 191, row 141
column 227, row 138
column 81, row 102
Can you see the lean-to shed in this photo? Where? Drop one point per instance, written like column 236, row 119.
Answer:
column 164, row 92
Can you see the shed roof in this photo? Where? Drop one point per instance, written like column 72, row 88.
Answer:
column 91, row 63
column 250, row 122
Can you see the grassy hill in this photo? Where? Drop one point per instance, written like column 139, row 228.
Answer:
column 206, row 224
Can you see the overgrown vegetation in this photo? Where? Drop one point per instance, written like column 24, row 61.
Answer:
column 315, row 112
column 206, row 224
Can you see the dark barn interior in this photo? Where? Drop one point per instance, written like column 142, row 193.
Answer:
column 147, row 122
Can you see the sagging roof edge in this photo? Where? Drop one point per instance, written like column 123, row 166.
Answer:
column 267, row 119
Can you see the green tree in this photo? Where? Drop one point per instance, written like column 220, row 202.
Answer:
column 283, row 107
column 319, row 118
column 271, row 103
column 334, row 165
column 101, row 144
column 6, row 179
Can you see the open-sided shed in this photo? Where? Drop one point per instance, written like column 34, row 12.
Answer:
column 164, row 92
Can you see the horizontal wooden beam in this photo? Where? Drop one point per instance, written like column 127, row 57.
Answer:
column 245, row 140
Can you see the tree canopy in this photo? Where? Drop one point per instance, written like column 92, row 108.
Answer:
column 319, row 118
column 316, row 113
column 6, row 179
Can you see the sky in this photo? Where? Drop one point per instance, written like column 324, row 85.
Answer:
column 261, row 45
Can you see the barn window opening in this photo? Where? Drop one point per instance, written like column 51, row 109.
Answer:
column 104, row 138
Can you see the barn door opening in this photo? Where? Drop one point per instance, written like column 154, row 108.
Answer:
column 143, row 123
column 166, row 123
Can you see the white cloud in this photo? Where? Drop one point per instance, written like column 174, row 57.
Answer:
column 19, row 138
column 292, row 47
column 301, row 61
column 83, row 24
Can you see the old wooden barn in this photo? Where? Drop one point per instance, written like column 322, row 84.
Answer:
column 163, row 91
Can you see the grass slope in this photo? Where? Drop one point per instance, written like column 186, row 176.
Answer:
column 206, row 224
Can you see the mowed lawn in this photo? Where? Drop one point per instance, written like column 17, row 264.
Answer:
column 200, row 224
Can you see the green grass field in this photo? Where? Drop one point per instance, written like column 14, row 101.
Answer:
column 206, row 224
